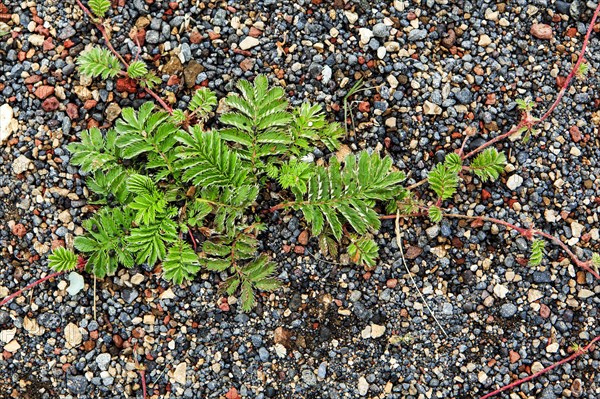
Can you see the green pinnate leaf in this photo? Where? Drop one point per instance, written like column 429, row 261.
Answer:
column 99, row 62
column 443, row 181
column 537, row 252
column 364, row 251
column 489, row 164
column 137, row 70
column 62, row 260
column 453, row 162
column 99, row 7
column 181, row 263
column 203, row 102
column 435, row 214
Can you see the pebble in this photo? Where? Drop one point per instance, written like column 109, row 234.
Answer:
column 21, row 164
column 500, row 291
column 103, row 360
column 7, row 122
column 416, row 35
column 180, row 373
column 508, row 310
column 249, row 42
column 363, row 386
column 514, row 182
column 541, row 31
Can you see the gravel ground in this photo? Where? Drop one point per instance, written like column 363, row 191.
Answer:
column 433, row 68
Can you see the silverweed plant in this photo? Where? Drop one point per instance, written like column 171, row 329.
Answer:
column 183, row 194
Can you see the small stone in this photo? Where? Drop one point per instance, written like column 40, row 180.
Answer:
column 322, row 371
column 536, row 366
column 50, row 104
column 381, row 52
column 308, row 376
column 191, row 72
column 381, row 30
column 533, row 295
column 484, row 41
column 7, row 335
column 351, row 16
column 430, row 108
column 363, row 386
column 513, row 357
column 76, row 283
column 36, row 40
column 377, row 330
column 112, row 111
column 7, row 123
column 249, row 42
column 77, row 384
column 514, row 182
column 500, row 291
column 365, row 35
column 541, row 31
column 263, row 353
column 137, row 279
column 508, row 310
column 21, row 164
column 103, row 360
column 577, row 229
column 73, row 335
column 552, row 348
column 326, row 74
column 482, row 377
column 43, row 92
column 280, row 351
column 584, row 293
column 416, row 35
column 179, row 375
column 12, row 346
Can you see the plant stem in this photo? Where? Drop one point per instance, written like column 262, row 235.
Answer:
column 102, row 30
column 558, row 97
column 80, row 265
column 529, row 234
column 531, row 377
column 576, row 67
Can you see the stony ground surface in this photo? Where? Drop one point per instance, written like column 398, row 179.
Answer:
column 431, row 69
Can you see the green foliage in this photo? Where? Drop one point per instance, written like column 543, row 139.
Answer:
column 94, row 152
column 583, row 70
column 537, row 252
column 137, row 69
column 149, row 242
column 207, row 161
column 258, row 122
column 181, row 263
column 443, row 181
column 203, row 102
column 104, row 244
column 435, row 214
column 336, row 195
column 309, row 126
column 489, row 164
column 364, row 251
column 62, row 260
column 99, row 7
column 161, row 184
column 148, row 133
column 295, row 175
column 150, row 80
column 238, row 255
column 99, row 62
column 525, row 105
column 453, row 162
